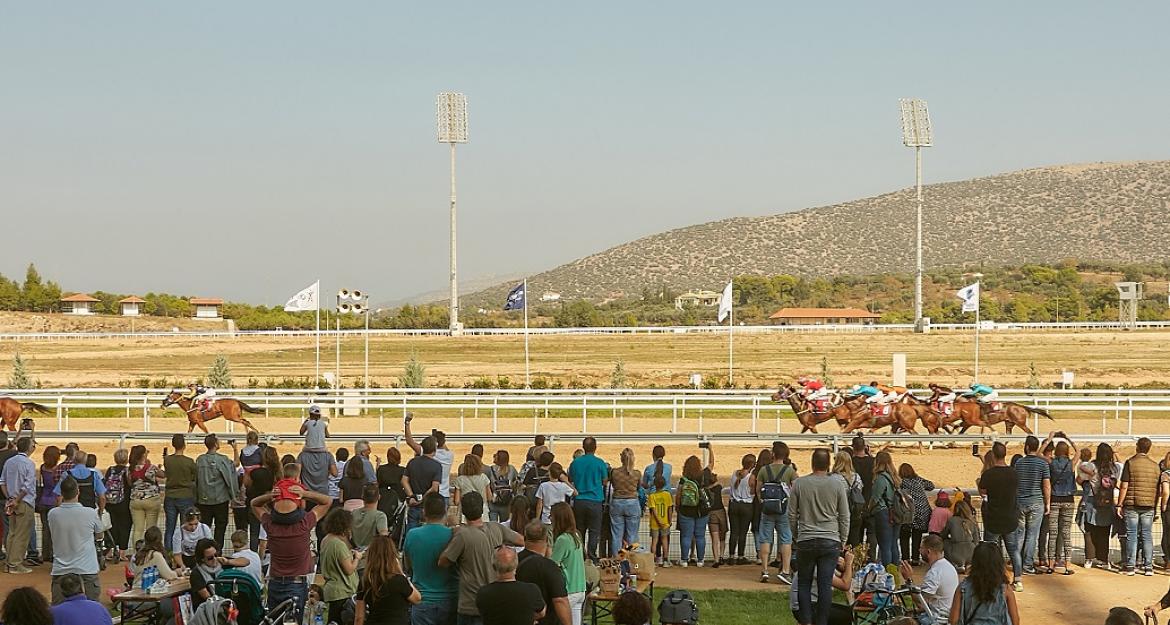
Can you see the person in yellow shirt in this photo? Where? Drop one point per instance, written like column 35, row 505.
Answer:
column 661, row 505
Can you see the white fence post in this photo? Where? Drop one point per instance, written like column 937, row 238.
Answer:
column 674, row 416
column 61, row 414
column 1130, row 416
column 584, row 414
column 145, row 415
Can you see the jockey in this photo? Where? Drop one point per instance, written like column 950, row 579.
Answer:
column 201, row 394
column 814, row 389
column 982, row 393
column 889, row 394
column 943, row 395
column 865, row 390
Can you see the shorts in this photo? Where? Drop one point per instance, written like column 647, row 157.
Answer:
column 717, row 523
column 772, row 525
column 655, row 532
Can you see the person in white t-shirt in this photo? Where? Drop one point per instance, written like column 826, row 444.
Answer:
column 554, row 491
column 244, row 558
column 444, row 456
column 938, row 585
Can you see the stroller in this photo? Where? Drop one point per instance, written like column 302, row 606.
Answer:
column 397, row 525
column 243, row 593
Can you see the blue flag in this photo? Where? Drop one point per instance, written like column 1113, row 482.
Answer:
column 516, row 298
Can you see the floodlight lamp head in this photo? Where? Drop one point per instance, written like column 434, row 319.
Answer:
column 916, row 130
column 451, row 115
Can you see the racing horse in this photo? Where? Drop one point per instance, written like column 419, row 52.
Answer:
column 1010, row 414
column 808, row 417
column 932, row 416
column 226, row 407
column 901, row 417
column 11, row 409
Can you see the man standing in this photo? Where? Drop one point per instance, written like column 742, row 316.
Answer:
column 362, row 450
column 421, row 553
column 442, row 455
column 775, row 526
column 999, row 488
column 423, row 475
column 18, row 480
column 90, row 486
column 288, row 547
column 1136, row 504
column 215, row 486
column 536, row 568
column 316, row 469
column 1035, row 499
column 180, row 493
column 939, row 584
column 75, row 529
column 471, row 549
column 589, row 475
column 77, row 609
column 368, row 521
column 507, row 601
column 819, row 507
column 863, row 466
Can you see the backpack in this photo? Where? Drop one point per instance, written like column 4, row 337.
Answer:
column 1103, row 491
column 116, row 484
column 678, row 606
column 902, row 508
column 856, row 492
column 501, row 488
column 689, row 493
column 773, row 492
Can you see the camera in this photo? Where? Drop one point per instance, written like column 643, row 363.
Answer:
column 704, row 444
column 975, row 449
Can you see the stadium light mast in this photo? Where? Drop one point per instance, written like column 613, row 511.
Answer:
column 451, row 115
column 917, row 134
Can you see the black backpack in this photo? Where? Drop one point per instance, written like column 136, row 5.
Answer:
column 678, row 607
column 773, row 491
column 501, row 488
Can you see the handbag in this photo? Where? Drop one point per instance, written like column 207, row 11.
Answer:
column 104, row 517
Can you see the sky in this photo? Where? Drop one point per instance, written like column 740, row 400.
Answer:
column 244, row 150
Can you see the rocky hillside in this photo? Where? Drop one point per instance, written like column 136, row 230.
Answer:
column 1104, row 211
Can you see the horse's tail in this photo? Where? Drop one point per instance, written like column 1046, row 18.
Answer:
column 249, row 409
column 35, row 407
column 1040, row 411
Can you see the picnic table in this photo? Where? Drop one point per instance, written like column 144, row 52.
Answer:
column 601, row 602
column 141, row 606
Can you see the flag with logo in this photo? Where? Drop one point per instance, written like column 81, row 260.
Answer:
column 307, row 299
column 725, row 303
column 970, row 297
column 516, row 298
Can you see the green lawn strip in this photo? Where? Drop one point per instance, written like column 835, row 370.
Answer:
column 737, row 607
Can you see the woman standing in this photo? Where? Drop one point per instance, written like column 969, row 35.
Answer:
column 390, row 490
column 260, row 481
column 625, row 512
column 911, row 535
column 762, row 460
column 739, row 510
column 984, row 598
column 1101, row 497
column 248, row 460
column 504, row 482
column 1164, row 505
column 117, row 481
column 885, row 489
column 471, row 479
column 46, row 500
column 338, row 562
column 384, row 592
column 717, row 524
column 352, row 483
column 568, row 552
column 843, row 466
column 960, row 535
column 145, row 495
column 1064, row 488
column 692, row 515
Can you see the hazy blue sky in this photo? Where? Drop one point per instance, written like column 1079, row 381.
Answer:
column 245, row 149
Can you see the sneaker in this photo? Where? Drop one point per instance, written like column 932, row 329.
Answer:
column 1148, row 572
column 691, row 562
column 666, row 564
column 19, row 570
column 1129, row 572
column 784, row 579
column 764, row 577
column 717, row 564
column 1018, row 586
column 743, row 561
column 758, row 562
column 682, row 563
column 30, row 562
column 1030, row 571
column 700, row 564
column 1088, row 564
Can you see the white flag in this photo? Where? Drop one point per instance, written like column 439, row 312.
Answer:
column 970, row 297
column 725, row 303
column 307, row 299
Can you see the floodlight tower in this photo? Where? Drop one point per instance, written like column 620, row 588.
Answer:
column 451, row 115
column 917, row 134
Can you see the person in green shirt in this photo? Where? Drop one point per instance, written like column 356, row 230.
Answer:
column 339, row 563
column 179, row 496
column 424, row 544
column 368, row 521
column 569, row 553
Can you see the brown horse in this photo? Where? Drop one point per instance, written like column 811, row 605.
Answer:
column 806, row 415
column 10, row 411
column 931, row 418
column 1012, row 415
column 902, row 416
column 228, row 408
column 968, row 413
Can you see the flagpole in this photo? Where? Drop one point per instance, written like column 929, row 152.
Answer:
column 317, row 376
column 978, row 289
column 527, row 376
column 731, row 341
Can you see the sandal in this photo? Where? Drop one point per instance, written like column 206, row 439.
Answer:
column 1068, row 571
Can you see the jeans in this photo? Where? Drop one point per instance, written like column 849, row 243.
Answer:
column 576, row 607
column 624, row 517
column 498, row 514
column 774, row 530
column 215, row 515
column 1060, row 531
column 1139, row 525
column 740, row 516
column 433, row 614
column 692, row 530
column 469, row 619
column 281, row 588
column 1028, row 533
column 820, row 555
column 887, row 533
column 173, row 508
column 1011, row 540
column 414, row 517
column 588, row 515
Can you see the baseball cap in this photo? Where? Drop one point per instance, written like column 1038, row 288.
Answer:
column 315, row 410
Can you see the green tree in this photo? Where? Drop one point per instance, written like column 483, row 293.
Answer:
column 9, row 294
column 220, row 375
column 32, row 294
column 1033, row 376
column 617, row 379
column 413, row 373
column 826, row 376
column 20, row 377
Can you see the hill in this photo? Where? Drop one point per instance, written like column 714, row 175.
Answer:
column 1095, row 212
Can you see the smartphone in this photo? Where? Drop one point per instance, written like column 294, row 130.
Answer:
column 434, row 432
column 704, row 444
column 975, row 449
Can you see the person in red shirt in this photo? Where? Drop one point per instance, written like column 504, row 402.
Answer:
column 291, row 562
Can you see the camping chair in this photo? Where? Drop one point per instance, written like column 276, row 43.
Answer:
column 243, row 590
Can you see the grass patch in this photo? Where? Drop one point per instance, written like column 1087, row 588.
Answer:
column 737, row 607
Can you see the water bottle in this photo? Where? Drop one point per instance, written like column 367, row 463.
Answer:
column 146, row 578
column 153, row 575
column 318, row 619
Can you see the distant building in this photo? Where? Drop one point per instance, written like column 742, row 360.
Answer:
column 821, row 316
column 131, row 306
column 207, row 308
column 78, row 304
column 550, row 296
column 696, row 298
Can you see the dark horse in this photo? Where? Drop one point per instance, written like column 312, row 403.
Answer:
column 807, row 416
column 228, row 408
column 10, row 411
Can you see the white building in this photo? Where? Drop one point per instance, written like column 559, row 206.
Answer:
column 697, row 298
column 131, row 306
column 550, row 296
column 78, row 304
column 207, row 307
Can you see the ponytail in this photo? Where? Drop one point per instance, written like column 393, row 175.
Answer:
column 658, row 468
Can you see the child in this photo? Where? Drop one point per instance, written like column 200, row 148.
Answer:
column 1086, row 470
column 187, row 534
column 243, row 557
column 661, row 505
column 315, row 608
column 941, row 513
column 288, row 507
column 314, row 430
